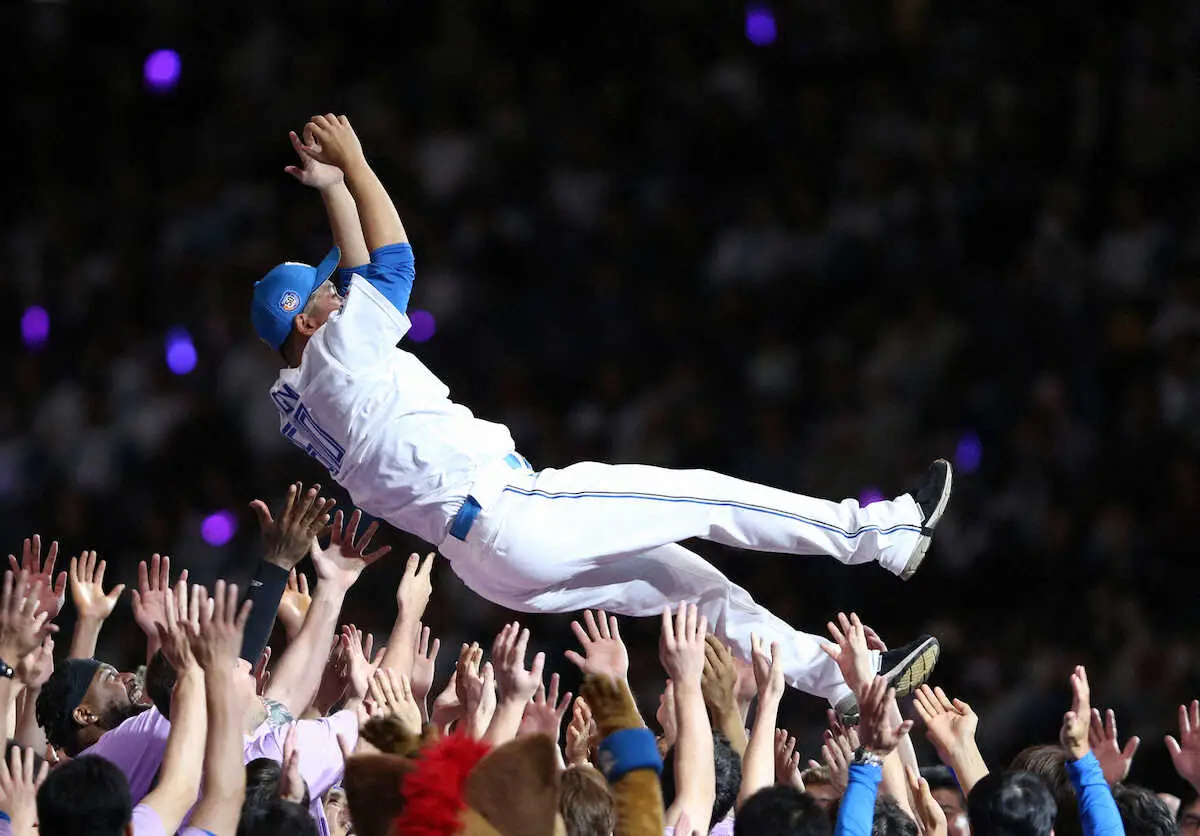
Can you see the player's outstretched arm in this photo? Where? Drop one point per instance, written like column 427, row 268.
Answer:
column 339, row 203
column 338, row 145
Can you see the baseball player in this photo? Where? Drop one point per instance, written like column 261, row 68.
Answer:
column 552, row 540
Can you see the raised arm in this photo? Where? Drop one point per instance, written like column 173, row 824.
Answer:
column 681, row 650
column 412, row 596
column 339, row 203
column 216, row 649
column 758, row 763
column 295, row 680
column 92, row 605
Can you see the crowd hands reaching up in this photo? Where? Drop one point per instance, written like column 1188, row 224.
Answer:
column 222, row 736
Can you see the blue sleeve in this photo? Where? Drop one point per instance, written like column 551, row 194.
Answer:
column 391, row 272
column 1097, row 809
column 857, row 812
column 343, row 276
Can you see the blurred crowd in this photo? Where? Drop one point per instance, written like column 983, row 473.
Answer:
column 899, row 231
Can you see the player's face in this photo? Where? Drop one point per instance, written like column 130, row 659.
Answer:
column 323, row 302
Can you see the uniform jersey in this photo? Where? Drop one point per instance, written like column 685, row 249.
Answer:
column 376, row 418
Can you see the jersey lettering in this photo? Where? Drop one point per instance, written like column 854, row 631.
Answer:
column 303, row 430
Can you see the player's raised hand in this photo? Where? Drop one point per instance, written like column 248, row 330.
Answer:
column 604, row 653
column 52, row 591
column 311, row 171
column 681, row 645
column 304, row 516
column 344, row 559
column 334, row 141
column 87, row 588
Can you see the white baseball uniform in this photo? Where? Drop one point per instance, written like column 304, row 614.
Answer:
column 558, row 540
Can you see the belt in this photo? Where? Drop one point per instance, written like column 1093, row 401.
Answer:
column 469, row 512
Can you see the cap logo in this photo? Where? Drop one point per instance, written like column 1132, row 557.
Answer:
column 289, row 301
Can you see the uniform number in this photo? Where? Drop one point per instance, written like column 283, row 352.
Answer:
column 302, row 430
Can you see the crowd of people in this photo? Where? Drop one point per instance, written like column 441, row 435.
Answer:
column 220, row 733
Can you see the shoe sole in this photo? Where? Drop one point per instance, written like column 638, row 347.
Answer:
column 927, row 527
column 915, row 668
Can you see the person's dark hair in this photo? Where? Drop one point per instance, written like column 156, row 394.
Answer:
column 586, row 803
column 1050, row 764
column 160, row 681
column 52, row 712
column 781, row 811
column 941, row 778
column 1013, row 803
column 277, row 818
column 262, row 783
column 87, row 796
column 728, row 771
column 1142, row 812
column 891, row 820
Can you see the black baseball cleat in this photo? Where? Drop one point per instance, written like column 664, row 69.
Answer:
column 932, row 498
column 905, row 668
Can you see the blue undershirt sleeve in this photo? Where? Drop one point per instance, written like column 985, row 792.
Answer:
column 857, row 812
column 391, row 272
column 1098, row 811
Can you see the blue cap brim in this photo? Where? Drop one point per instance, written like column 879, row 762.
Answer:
column 328, row 264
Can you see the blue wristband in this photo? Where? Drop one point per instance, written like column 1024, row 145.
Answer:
column 628, row 750
column 5, row 816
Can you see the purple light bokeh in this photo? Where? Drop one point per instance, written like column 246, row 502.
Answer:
column 162, row 69
column 424, row 326
column 35, row 326
column 181, row 353
column 969, row 453
column 219, row 528
column 760, row 25
column 870, row 495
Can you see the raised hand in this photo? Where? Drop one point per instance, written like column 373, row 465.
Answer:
column 19, row 782
column 334, row 141
column 20, row 622
column 787, row 761
column 666, row 718
column 768, row 671
column 293, row 606
column 850, row 650
column 446, row 707
column 1185, row 752
column 719, row 681
column 544, row 715
column 220, row 624
column 344, row 559
column 949, row 725
column 477, row 691
column 262, row 676
column 838, row 750
column 394, row 695
column 880, row 733
column 604, row 653
column 183, row 625
column 291, row 782
column 416, row 585
column 515, row 683
column 359, row 667
column 930, row 814
column 87, row 588
column 579, row 734
column 150, row 598
column 52, row 591
column 424, row 664
column 303, row 518
column 311, row 172
column 335, row 678
column 35, row 669
column 1077, row 721
column 681, row 644
column 1102, row 735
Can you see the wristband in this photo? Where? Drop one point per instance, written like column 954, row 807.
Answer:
column 266, row 590
column 865, row 757
column 627, row 750
column 6, row 670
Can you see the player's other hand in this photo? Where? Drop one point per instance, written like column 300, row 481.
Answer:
column 335, row 142
column 311, row 171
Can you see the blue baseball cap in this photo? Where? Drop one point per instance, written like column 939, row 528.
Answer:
column 283, row 293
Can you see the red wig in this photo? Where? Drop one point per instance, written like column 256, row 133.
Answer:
column 434, row 791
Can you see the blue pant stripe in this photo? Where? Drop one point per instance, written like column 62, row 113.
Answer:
column 849, row 535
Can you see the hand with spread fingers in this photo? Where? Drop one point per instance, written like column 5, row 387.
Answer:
column 950, row 726
column 393, row 694
column 21, row 624
column 544, row 714
column 150, row 597
column 514, row 682
column 787, row 761
column 604, row 653
column 1185, row 752
column 183, row 625
column 879, row 732
column 477, row 691
column 424, row 665
column 343, row 560
column 304, row 517
column 19, row 782
column 850, row 650
column 219, row 625
column 1114, row 761
column 87, row 588
column 930, row 814
column 681, row 644
column 52, row 592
